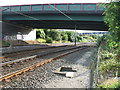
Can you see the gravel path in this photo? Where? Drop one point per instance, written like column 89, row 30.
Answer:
column 43, row 77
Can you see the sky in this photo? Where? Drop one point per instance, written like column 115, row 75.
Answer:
column 20, row 2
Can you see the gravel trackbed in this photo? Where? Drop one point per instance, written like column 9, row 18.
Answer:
column 43, row 77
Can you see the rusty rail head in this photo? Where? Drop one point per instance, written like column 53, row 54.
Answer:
column 31, row 57
column 18, row 60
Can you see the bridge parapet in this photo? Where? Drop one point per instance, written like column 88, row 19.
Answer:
column 53, row 7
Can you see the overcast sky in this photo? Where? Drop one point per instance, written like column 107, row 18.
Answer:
column 20, row 2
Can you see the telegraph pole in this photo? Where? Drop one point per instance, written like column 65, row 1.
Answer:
column 75, row 35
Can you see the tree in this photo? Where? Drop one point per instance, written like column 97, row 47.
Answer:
column 55, row 34
column 49, row 40
column 64, row 36
column 47, row 32
column 71, row 35
column 79, row 38
column 40, row 33
column 112, row 19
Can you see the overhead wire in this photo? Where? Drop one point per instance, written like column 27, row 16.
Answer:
column 39, row 19
column 61, row 12
column 11, row 23
column 26, row 15
column 68, row 18
column 64, row 14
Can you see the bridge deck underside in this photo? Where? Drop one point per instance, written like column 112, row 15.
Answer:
column 56, row 16
column 61, row 24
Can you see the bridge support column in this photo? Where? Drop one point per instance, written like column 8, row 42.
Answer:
column 30, row 36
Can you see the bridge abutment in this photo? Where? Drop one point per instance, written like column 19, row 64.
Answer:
column 13, row 33
column 17, row 32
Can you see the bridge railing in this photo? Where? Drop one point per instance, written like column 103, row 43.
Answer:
column 54, row 7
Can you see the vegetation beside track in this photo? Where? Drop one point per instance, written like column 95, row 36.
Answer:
column 55, row 36
column 4, row 43
column 109, row 66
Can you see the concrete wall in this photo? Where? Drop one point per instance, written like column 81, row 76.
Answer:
column 31, row 35
column 13, row 31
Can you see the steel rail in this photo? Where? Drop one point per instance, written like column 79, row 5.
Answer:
column 34, row 56
column 7, row 76
column 33, row 50
column 30, row 51
column 18, row 60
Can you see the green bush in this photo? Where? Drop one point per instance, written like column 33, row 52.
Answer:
column 107, row 66
column 65, row 37
column 63, row 41
column 112, row 84
column 70, row 35
column 4, row 43
column 84, row 40
column 55, row 41
column 105, row 54
column 53, row 33
column 79, row 38
column 49, row 40
column 112, row 42
column 40, row 40
column 40, row 33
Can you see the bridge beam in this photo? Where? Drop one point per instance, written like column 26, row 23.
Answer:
column 61, row 24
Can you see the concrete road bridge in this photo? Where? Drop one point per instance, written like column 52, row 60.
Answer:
column 23, row 18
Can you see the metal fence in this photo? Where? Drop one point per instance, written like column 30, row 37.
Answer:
column 94, row 69
column 9, row 37
column 12, row 37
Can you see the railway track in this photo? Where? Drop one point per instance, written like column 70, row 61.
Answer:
column 24, row 54
column 17, row 72
column 33, row 50
column 35, row 56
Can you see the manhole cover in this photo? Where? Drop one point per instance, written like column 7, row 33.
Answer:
column 67, row 71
